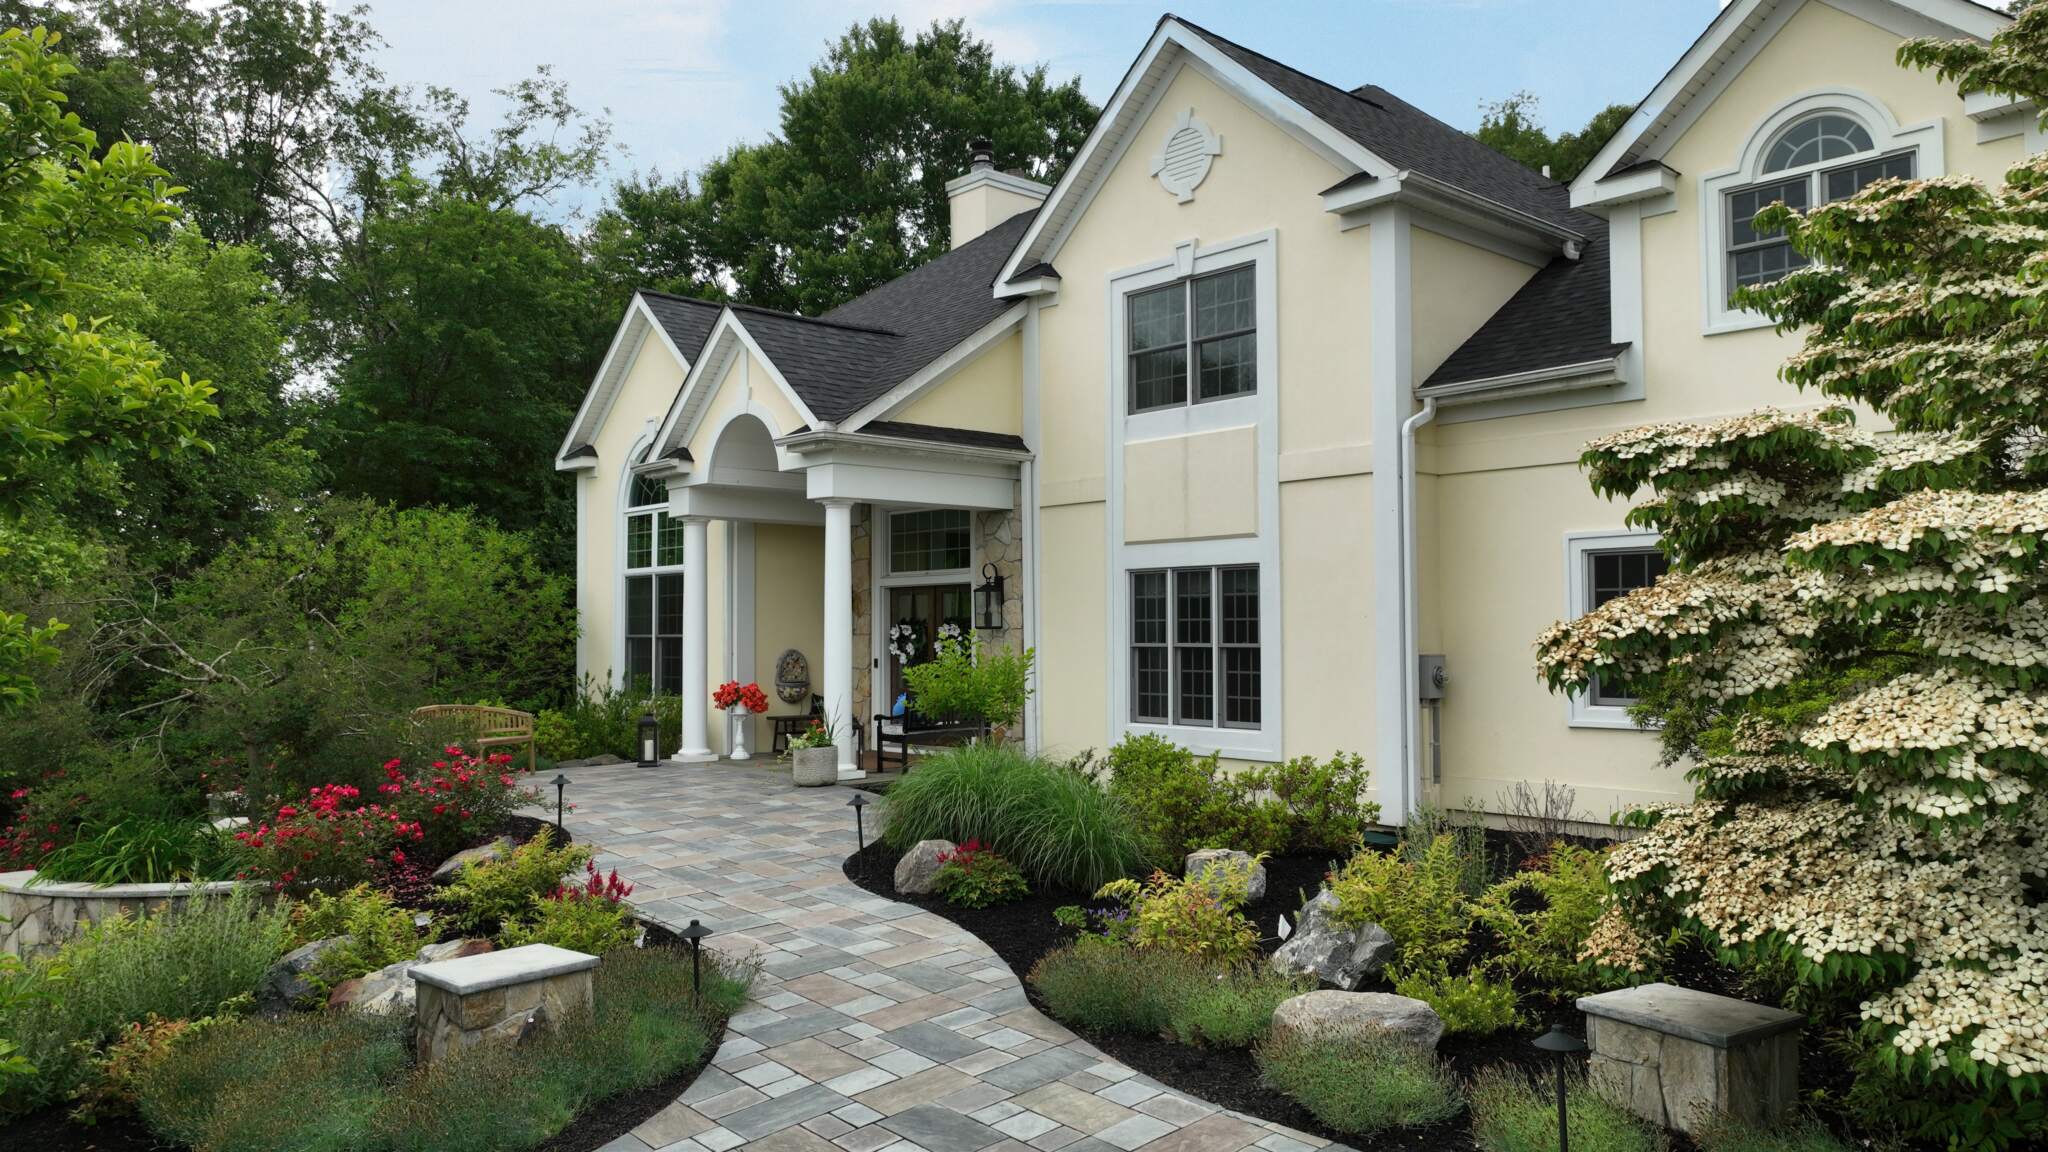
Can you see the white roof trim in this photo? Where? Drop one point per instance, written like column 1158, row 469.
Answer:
column 1535, row 381
column 1725, row 48
column 728, row 337
column 938, row 371
column 1173, row 45
column 618, row 360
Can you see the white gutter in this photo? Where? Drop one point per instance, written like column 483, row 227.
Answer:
column 1410, row 646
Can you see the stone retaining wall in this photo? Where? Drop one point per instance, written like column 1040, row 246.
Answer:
column 37, row 918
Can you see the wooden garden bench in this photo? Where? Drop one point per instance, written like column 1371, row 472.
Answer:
column 485, row 726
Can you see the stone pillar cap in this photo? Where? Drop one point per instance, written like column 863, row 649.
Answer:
column 521, row 965
column 1703, row 1017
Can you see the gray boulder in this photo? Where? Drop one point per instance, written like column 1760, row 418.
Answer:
column 1227, row 857
column 389, row 991
column 1324, row 1015
column 288, row 982
column 920, row 867
column 483, row 853
column 453, row 950
column 1331, row 952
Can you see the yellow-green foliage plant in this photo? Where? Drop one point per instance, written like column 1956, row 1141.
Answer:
column 1547, row 944
column 1419, row 898
column 1198, row 915
column 493, row 893
column 375, row 932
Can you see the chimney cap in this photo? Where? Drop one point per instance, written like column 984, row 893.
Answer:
column 981, row 154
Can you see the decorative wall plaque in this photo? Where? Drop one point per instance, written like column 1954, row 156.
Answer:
column 792, row 677
column 1184, row 157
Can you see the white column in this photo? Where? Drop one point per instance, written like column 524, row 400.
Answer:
column 696, row 685
column 839, row 630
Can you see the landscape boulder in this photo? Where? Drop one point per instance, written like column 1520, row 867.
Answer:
column 1333, row 953
column 389, row 991
column 1323, row 1015
column 481, row 854
column 919, row 868
column 1229, row 858
column 288, row 980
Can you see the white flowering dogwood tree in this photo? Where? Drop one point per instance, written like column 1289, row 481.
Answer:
column 1850, row 652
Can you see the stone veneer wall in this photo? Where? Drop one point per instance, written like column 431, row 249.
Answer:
column 999, row 540
column 38, row 918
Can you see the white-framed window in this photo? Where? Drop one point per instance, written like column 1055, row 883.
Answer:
column 1816, row 149
column 1194, row 340
column 653, row 616
column 1600, row 566
column 1195, row 657
column 931, row 540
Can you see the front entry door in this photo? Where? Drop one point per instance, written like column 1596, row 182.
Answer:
column 915, row 616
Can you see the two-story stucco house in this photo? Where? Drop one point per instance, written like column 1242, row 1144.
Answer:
column 1277, row 393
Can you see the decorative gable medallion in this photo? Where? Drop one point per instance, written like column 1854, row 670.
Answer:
column 1184, row 157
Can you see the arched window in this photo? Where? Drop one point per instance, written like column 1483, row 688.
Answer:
column 1817, row 158
column 654, row 589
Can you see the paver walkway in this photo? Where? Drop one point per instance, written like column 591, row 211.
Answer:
column 876, row 1026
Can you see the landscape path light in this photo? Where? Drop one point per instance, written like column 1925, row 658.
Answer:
column 695, row 934
column 860, row 833
column 1564, row 1044
column 560, row 782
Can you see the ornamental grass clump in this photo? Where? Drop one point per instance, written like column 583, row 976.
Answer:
column 1512, row 1114
column 1098, row 984
column 1054, row 822
column 1361, row 1084
column 1850, row 649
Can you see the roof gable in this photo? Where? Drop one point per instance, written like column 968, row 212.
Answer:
column 677, row 324
column 1724, row 48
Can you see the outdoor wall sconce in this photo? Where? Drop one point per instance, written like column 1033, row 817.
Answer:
column 650, row 740
column 560, row 783
column 988, row 599
column 695, row 934
column 1564, row 1044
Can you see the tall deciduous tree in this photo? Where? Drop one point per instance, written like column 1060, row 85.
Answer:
column 1512, row 128
column 1850, row 647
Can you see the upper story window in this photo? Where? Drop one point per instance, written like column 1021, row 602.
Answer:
column 935, row 540
column 1207, row 322
column 1823, row 157
column 654, row 590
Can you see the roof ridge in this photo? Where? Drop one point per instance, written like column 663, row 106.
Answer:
column 678, row 297
column 781, row 315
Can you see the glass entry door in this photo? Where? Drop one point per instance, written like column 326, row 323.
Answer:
column 916, row 615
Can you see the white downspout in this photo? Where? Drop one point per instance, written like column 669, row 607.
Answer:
column 1410, row 645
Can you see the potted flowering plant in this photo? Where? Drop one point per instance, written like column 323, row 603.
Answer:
column 733, row 694
column 814, row 753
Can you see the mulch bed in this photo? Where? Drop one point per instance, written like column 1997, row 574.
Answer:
column 1024, row 931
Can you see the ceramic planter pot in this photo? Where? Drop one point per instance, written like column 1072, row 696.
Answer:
column 814, row 767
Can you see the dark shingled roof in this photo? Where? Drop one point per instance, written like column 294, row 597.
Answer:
column 580, row 451
column 966, row 437
column 1561, row 316
column 1407, row 137
column 687, row 321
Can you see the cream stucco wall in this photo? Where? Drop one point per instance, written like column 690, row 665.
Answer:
column 1454, row 286
column 745, row 386
column 1264, row 181
column 985, row 395
column 789, row 607
column 1509, row 490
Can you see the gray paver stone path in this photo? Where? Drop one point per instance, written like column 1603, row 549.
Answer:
column 875, row 1026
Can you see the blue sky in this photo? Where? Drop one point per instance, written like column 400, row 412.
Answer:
column 684, row 79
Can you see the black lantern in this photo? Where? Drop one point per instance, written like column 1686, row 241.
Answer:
column 860, row 832
column 695, row 934
column 560, row 782
column 650, row 740
column 988, row 599
column 1564, row 1044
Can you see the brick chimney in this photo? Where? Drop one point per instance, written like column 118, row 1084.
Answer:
column 985, row 197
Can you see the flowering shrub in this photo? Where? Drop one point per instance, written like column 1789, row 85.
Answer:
column 974, row 876
column 589, row 917
column 1850, row 646
column 733, row 693
column 818, row 734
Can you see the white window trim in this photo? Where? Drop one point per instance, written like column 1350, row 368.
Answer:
column 1261, row 411
column 1581, row 712
column 1887, row 136
column 882, row 580
column 626, row 511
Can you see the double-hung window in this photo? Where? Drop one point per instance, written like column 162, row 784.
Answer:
column 1824, row 157
column 1201, row 331
column 1195, row 656
column 1604, row 566
column 654, row 590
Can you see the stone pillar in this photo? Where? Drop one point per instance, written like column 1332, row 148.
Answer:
column 839, row 630
column 1680, row 1057
column 696, row 747
column 497, row 997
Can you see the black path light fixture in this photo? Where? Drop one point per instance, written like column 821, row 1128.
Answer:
column 561, row 782
column 860, row 833
column 650, row 739
column 988, row 599
column 1564, row 1044
column 695, row 934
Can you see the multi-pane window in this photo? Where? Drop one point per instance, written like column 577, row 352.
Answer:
column 1207, row 324
column 654, row 590
column 935, row 540
column 1611, row 574
column 1195, row 656
column 1759, row 257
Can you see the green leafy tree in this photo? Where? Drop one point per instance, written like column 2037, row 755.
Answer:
column 1512, row 128
column 79, row 397
column 1848, row 649
column 851, row 193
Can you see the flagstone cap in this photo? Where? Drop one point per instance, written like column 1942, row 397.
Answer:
column 521, row 965
column 1717, row 1021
